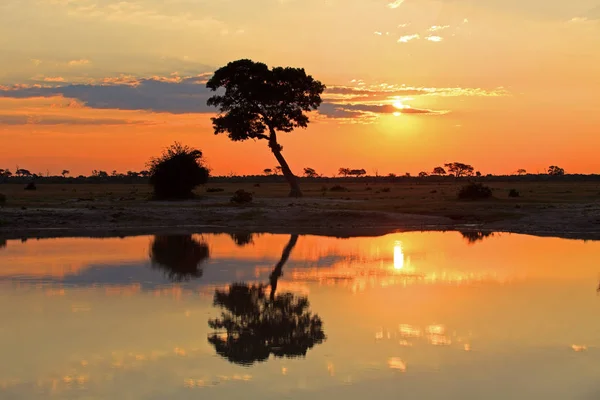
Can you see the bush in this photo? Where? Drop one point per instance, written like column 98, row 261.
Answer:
column 176, row 173
column 241, row 197
column 31, row 186
column 474, row 191
column 214, row 190
column 2, row 198
column 514, row 193
column 338, row 188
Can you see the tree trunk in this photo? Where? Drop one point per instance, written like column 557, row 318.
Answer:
column 278, row 270
column 285, row 168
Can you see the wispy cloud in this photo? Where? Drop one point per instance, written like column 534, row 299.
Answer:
column 408, row 38
column 54, row 79
column 395, row 4
column 434, row 38
column 78, row 63
column 368, row 113
column 436, row 28
column 45, row 120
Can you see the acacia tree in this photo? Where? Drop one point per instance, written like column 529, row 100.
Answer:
column 439, row 171
column 258, row 102
column 555, row 170
column 460, row 169
column 65, row 172
column 310, row 172
column 521, row 171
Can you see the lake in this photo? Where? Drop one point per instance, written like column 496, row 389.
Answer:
column 409, row 315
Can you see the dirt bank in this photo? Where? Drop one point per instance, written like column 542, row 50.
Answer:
column 304, row 216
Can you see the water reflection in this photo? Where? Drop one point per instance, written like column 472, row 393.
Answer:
column 179, row 256
column 252, row 325
column 473, row 237
column 2, row 243
column 242, row 239
column 398, row 256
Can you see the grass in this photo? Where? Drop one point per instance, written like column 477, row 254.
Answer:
column 427, row 198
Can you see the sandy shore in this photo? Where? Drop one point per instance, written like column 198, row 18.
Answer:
column 305, row 216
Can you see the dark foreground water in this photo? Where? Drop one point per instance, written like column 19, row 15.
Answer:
column 411, row 316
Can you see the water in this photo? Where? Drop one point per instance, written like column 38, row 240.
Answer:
column 412, row 315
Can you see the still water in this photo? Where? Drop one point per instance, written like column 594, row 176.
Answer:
column 410, row 315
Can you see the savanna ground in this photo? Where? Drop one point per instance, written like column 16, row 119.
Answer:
column 566, row 209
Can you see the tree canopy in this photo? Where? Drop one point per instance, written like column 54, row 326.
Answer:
column 258, row 101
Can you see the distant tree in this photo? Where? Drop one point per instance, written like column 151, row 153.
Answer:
column 132, row 174
column 555, row 170
column 391, row 175
column 407, row 174
column 258, row 100
column 114, row 173
column 521, row 171
column 423, row 174
column 22, row 172
column 357, row 172
column 268, row 171
column 344, row 172
column 145, row 173
column 438, row 171
column 310, row 173
column 65, row 172
column 477, row 174
column 176, row 173
column 277, row 170
column 460, row 169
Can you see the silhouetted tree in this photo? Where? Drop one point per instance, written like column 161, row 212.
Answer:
column 242, row 238
column 391, row 175
column 179, row 256
column 257, row 325
column 521, row 171
column 65, row 172
column 475, row 236
column 22, row 172
column 268, row 171
column 478, row 174
column 132, row 174
column 310, row 173
column 357, row 172
column 438, row 171
column 144, row 173
column 423, row 174
column 6, row 173
column 258, row 100
column 460, row 169
column 555, row 170
column 2, row 243
column 176, row 173
column 344, row 171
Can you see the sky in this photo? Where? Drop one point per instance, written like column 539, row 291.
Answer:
column 411, row 84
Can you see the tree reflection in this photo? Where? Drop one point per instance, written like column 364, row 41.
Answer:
column 2, row 243
column 255, row 324
column 475, row 236
column 179, row 256
column 242, row 238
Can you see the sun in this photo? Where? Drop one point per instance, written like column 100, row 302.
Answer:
column 398, row 104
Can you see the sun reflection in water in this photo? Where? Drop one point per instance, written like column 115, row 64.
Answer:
column 398, row 256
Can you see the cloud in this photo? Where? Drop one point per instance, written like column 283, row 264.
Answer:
column 434, row 38
column 395, row 4
column 408, row 38
column 333, row 110
column 160, row 94
column 78, row 63
column 7, row 119
column 384, row 90
column 436, row 28
column 54, row 79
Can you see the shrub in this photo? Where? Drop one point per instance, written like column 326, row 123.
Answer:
column 474, row 191
column 176, row 173
column 31, row 186
column 214, row 190
column 2, row 198
column 241, row 197
column 338, row 188
column 514, row 193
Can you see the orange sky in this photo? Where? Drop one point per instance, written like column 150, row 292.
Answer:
column 106, row 84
